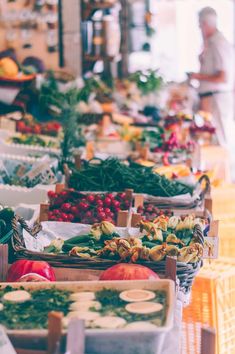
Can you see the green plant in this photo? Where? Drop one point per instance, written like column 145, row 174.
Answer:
column 147, row 81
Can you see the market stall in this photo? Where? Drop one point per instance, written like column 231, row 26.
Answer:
column 115, row 193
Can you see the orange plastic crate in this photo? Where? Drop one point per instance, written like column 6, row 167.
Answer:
column 213, row 304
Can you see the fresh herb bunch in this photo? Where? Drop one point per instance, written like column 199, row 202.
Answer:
column 33, row 314
column 112, row 305
column 113, row 175
column 147, row 81
column 153, row 137
column 92, row 85
column 65, row 105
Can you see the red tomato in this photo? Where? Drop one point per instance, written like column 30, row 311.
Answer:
column 52, row 194
column 126, row 271
column 74, row 210
column 90, row 198
column 107, row 202
column 23, row 267
column 116, row 203
column 66, row 207
column 99, row 202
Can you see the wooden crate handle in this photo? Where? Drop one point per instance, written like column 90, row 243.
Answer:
column 43, row 214
column 59, row 187
column 76, row 337
column 170, row 272
column 3, row 262
column 129, row 194
column 208, row 340
column 122, row 218
column 138, row 200
column 209, row 204
column 54, row 331
column 135, row 219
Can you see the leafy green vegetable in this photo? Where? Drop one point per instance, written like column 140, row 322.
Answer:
column 34, row 313
column 147, row 81
column 113, row 175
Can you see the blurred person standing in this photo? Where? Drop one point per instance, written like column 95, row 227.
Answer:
column 216, row 76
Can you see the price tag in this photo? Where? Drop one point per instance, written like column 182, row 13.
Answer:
column 5, row 344
column 39, row 174
column 211, row 247
column 8, row 124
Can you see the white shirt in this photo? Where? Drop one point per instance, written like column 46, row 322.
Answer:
column 217, row 56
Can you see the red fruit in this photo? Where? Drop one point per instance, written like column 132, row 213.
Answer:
column 100, row 209
column 116, row 203
column 51, row 195
column 23, row 267
column 149, row 209
column 117, row 209
column 111, row 215
column 107, row 211
column 125, row 271
column 102, row 215
column 56, row 212
column 107, row 202
column 66, row 207
column 63, row 194
column 74, row 210
column 64, row 216
column 59, row 219
column 109, row 195
column 37, row 129
column 122, row 195
column 99, row 202
column 83, row 206
column 70, row 217
column 91, row 198
column 50, row 214
column 53, row 218
column 88, row 214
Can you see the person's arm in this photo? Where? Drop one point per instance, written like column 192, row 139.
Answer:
column 219, row 77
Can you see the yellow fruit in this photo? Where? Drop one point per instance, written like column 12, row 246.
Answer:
column 8, row 67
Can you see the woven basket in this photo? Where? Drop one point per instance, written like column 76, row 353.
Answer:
column 186, row 272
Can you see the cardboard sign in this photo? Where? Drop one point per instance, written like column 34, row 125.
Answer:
column 5, row 344
column 39, row 174
column 8, row 124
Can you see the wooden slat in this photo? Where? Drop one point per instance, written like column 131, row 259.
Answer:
column 59, row 187
column 122, row 219
column 54, row 330
column 76, row 337
column 3, row 262
column 139, row 200
column 208, row 341
column 171, row 268
column 135, row 219
column 43, row 214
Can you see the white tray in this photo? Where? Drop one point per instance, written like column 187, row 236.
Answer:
column 110, row 341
